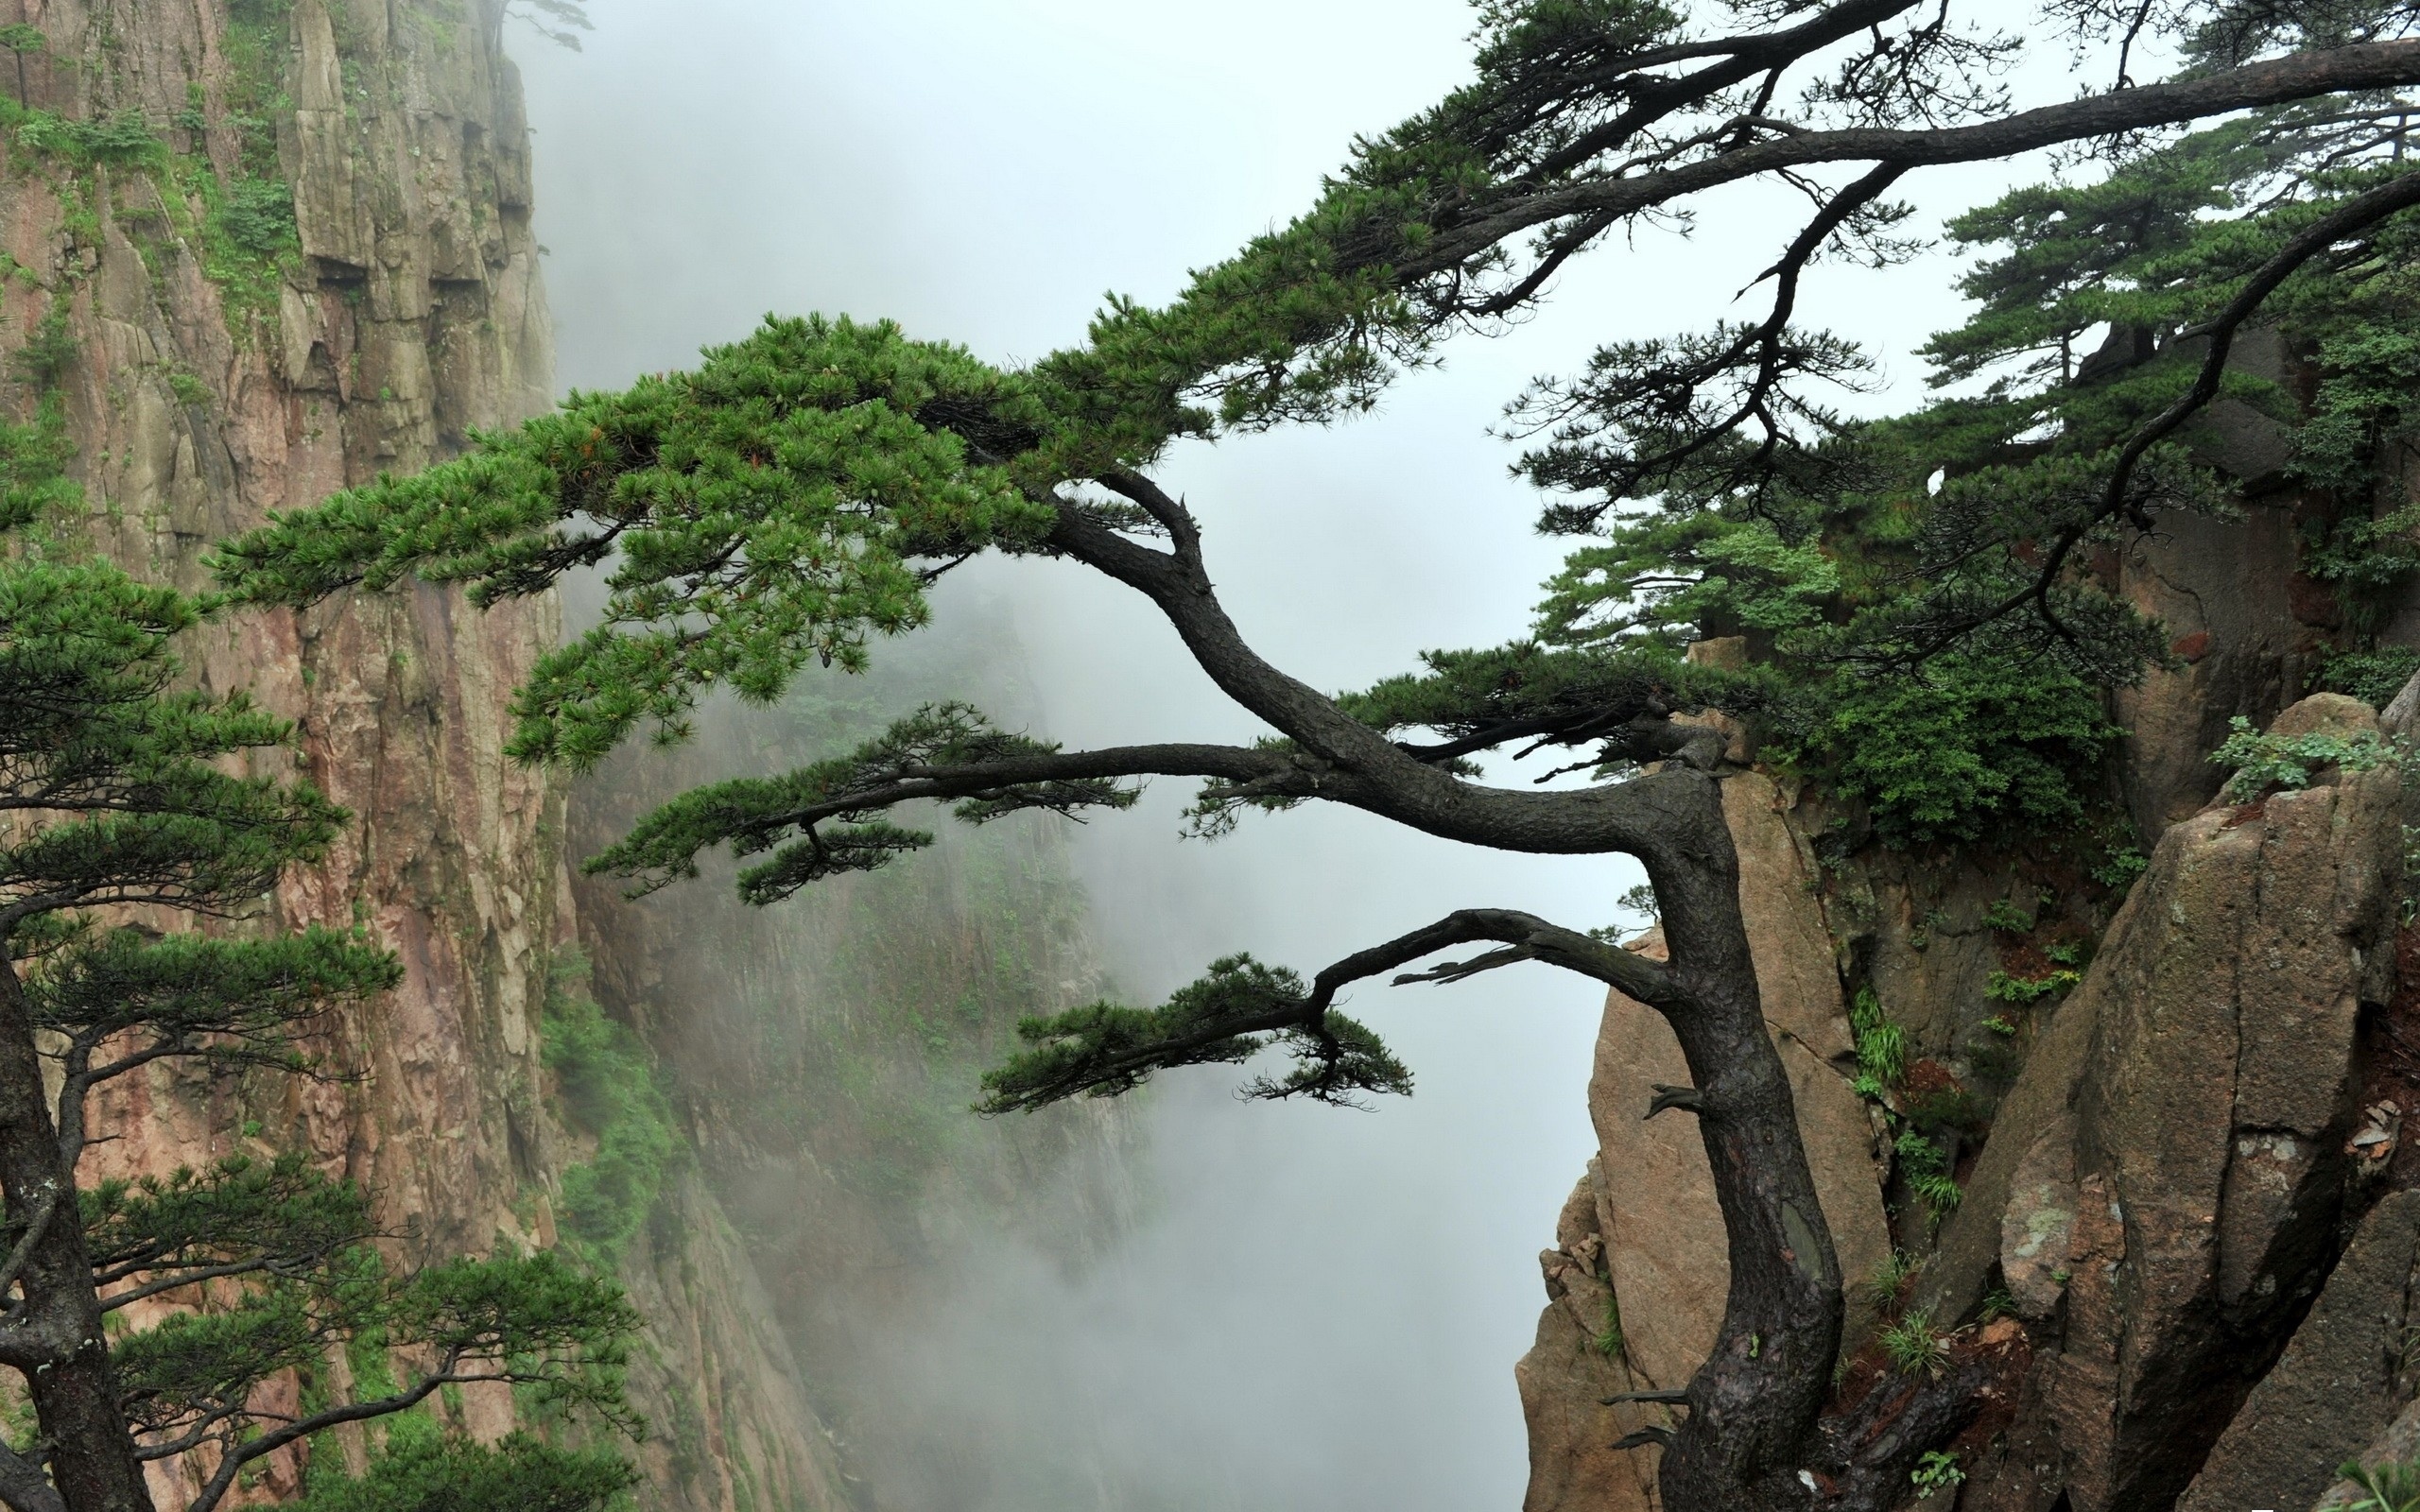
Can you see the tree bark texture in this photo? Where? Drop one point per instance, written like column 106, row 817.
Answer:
column 56, row 1339
column 1753, row 1405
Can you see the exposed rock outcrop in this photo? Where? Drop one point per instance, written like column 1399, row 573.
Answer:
column 1579, row 1362
column 2398, row 1445
column 2163, row 1186
column 215, row 377
column 2246, row 626
column 2166, row 1182
column 2155, row 1172
column 2339, row 1384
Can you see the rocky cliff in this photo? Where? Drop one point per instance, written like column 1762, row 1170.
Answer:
column 2134, row 1143
column 256, row 250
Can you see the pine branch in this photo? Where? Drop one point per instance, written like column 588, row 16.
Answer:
column 1242, row 1007
column 2297, row 76
column 2118, row 496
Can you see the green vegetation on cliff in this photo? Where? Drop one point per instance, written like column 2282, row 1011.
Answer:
column 118, row 773
column 452, row 1474
column 238, row 224
column 122, row 769
column 608, row 1093
column 1925, row 587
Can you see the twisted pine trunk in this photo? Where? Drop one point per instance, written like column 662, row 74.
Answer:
column 1753, row 1406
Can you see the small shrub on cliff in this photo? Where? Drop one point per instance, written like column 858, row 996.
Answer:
column 609, row 1091
column 1914, row 1346
column 1927, row 1174
column 122, row 139
column 257, row 218
column 2390, row 1486
column 2375, row 677
column 1881, row 1046
column 1977, row 750
column 2263, row 760
column 1937, row 1471
column 2117, row 866
column 1608, row 1340
column 2001, row 986
column 1891, row 1278
column 2007, row 918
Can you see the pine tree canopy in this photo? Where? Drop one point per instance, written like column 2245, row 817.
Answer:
column 97, row 738
column 1914, row 612
column 116, row 785
column 795, row 494
column 519, row 1471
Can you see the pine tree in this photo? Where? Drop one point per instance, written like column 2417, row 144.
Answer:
column 20, row 39
column 120, row 808
column 1930, row 652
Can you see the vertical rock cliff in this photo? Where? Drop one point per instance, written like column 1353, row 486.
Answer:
column 2173, row 1106
column 256, row 250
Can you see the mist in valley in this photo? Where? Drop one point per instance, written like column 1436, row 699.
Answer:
column 1271, row 1307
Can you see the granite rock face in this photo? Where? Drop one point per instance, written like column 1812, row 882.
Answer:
column 207, row 387
column 1581, row 1358
column 2341, row 1383
column 2161, row 1171
column 2246, row 626
column 2163, row 1188
column 2165, row 1183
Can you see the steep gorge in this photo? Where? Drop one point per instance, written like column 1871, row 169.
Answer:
column 823, row 1055
column 258, row 250
column 2167, row 1208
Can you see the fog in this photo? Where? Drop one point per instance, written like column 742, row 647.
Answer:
column 1321, row 1308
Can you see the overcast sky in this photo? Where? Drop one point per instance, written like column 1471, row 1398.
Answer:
column 1325, row 1312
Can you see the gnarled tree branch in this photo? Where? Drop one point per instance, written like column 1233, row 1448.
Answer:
column 2276, row 81
column 23, row 1485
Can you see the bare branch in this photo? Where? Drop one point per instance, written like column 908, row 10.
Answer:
column 2277, row 81
column 992, row 778
column 1687, row 1099
column 239, row 1455
column 198, row 1274
column 1743, row 59
column 37, row 1223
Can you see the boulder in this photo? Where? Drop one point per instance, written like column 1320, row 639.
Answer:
column 2165, row 1180
column 2336, row 1388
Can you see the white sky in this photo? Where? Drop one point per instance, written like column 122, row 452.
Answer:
column 1325, row 1312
